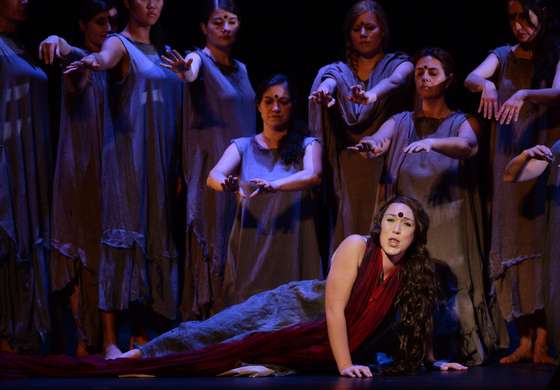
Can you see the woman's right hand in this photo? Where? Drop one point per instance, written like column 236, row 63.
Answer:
column 89, row 62
column 323, row 96
column 173, row 61
column 355, row 371
column 53, row 47
column 488, row 106
column 230, row 184
column 371, row 148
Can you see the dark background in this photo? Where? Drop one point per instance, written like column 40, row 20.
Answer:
column 297, row 37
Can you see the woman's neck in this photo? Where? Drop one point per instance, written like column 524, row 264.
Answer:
column 91, row 47
column 525, row 52
column 137, row 32
column 220, row 55
column 271, row 137
column 7, row 26
column 434, row 108
column 389, row 262
column 366, row 65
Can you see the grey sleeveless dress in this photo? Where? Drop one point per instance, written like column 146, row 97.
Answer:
column 140, row 165
column 552, row 250
column 273, row 240
column 447, row 188
column 517, row 238
column 25, row 181
column 354, row 180
column 76, row 224
column 219, row 106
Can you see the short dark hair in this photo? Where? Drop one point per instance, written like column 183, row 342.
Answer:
column 90, row 8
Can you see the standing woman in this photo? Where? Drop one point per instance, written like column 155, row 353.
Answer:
column 350, row 100
column 76, row 224
column 139, row 257
column 273, row 240
column 25, row 174
column 516, row 82
column 429, row 158
column 219, row 106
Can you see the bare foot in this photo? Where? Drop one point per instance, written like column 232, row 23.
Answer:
column 541, row 356
column 138, row 340
column 81, row 349
column 112, row 352
column 522, row 353
column 6, row 347
column 132, row 354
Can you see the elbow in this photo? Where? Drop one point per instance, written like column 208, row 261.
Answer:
column 508, row 177
column 314, row 179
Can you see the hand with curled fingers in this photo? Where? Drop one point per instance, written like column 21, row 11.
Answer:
column 424, row 145
column 360, row 96
column 173, row 61
column 249, row 371
column 53, row 47
column 355, row 371
column 443, row 365
column 230, row 184
column 322, row 96
column 539, row 152
column 509, row 112
column 371, row 148
column 264, row 185
column 89, row 62
column 488, row 106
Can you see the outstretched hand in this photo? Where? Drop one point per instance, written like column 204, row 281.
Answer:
column 230, row 184
column 424, row 145
column 371, row 148
column 360, row 96
column 444, row 365
column 355, row 371
column 509, row 112
column 323, row 97
column 173, row 61
column 488, row 106
column 249, row 371
column 89, row 62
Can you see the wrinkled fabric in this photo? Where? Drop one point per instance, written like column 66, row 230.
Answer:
column 139, row 171
column 552, row 250
column 219, row 106
column 273, row 240
column 447, row 188
column 352, row 182
column 76, row 225
column 518, row 214
column 304, row 346
column 25, row 179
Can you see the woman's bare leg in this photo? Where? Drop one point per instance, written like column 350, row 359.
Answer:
column 110, row 348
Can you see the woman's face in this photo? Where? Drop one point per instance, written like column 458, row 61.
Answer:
column 221, row 29
column 366, row 34
column 397, row 229
column 98, row 27
column 430, row 78
column 145, row 12
column 525, row 31
column 14, row 10
column 276, row 107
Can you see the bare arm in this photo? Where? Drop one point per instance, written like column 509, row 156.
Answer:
column 324, row 94
column 387, row 85
column 53, row 47
column 308, row 177
column 478, row 81
column 378, row 144
column 463, row 146
column 342, row 275
column 544, row 95
column 528, row 165
column 111, row 54
column 220, row 177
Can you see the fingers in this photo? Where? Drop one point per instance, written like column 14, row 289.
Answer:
column 188, row 64
column 357, row 372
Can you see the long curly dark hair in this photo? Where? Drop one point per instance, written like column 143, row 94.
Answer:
column 359, row 8
column 417, row 297
column 546, row 46
column 290, row 146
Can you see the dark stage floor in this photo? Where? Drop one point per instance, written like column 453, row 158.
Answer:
column 490, row 377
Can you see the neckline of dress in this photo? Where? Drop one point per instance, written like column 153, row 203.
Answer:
column 224, row 68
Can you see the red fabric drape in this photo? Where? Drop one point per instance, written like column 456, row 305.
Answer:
column 303, row 346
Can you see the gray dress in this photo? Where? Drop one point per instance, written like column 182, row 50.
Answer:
column 219, row 106
column 273, row 240
column 517, row 238
column 76, row 224
column 140, row 165
column 552, row 250
column 354, row 180
column 25, row 178
column 447, row 188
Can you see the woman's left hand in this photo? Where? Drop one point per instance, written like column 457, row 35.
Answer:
column 443, row 365
column 424, row 145
column 509, row 112
column 360, row 96
column 264, row 185
column 249, row 371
